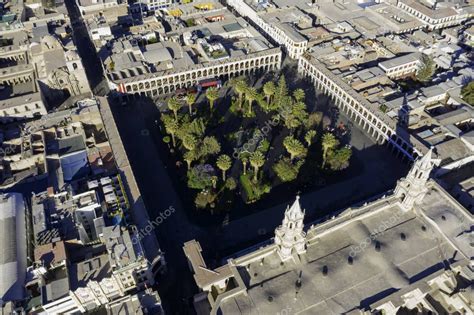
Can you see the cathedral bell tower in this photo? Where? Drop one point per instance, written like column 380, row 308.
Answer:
column 412, row 188
column 289, row 236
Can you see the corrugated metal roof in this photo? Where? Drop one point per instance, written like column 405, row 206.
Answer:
column 13, row 247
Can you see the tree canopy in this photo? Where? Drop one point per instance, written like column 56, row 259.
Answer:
column 294, row 147
column 339, row 159
column 286, row 170
column 224, row 163
column 427, row 69
column 467, row 93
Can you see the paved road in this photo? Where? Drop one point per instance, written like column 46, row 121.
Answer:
column 86, row 50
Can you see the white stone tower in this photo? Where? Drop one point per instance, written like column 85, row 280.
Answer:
column 412, row 188
column 289, row 236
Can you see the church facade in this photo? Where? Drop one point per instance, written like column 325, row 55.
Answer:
column 406, row 251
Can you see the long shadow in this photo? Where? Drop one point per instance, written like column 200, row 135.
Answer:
column 176, row 286
column 86, row 49
column 214, row 246
column 365, row 303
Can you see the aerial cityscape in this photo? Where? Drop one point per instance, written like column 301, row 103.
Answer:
column 268, row 157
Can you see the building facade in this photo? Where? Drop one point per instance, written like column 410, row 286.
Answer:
column 435, row 17
column 22, row 108
column 403, row 66
column 284, row 34
column 154, row 84
column 377, row 125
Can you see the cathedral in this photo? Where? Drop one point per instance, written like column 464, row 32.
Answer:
column 408, row 251
column 60, row 72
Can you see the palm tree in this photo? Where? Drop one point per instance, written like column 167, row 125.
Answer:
column 256, row 160
column 299, row 95
column 189, row 157
column 294, row 147
column 250, row 96
column 224, row 163
column 190, row 100
column 240, row 87
column 309, row 136
column 244, row 160
column 296, row 116
column 212, row 95
column 329, row 142
column 172, row 128
column 189, row 142
column 269, row 89
column 230, row 184
column 174, row 105
column 214, row 182
column 262, row 102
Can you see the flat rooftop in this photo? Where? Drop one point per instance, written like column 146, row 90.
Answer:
column 12, row 91
column 411, row 249
column 368, row 18
column 14, row 101
column 400, row 60
column 197, row 36
column 438, row 13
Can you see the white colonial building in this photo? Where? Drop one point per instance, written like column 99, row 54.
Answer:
column 154, row 84
column 436, row 16
column 58, row 68
column 403, row 66
column 156, row 4
column 277, row 24
column 369, row 116
column 289, row 236
column 412, row 189
column 95, row 6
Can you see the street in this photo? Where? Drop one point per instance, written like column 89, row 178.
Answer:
column 86, row 50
